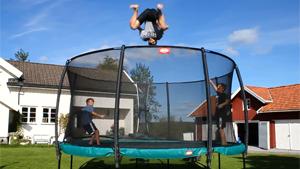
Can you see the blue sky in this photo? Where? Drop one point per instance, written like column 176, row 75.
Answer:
column 261, row 36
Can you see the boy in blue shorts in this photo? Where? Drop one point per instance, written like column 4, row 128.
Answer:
column 88, row 124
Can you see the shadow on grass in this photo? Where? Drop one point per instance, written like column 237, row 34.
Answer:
column 272, row 161
column 10, row 164
column 149, row 164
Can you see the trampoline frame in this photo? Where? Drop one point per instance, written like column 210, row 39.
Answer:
column 117, row 101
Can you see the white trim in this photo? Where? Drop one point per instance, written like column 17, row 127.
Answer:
column 42, row 88
column 257, row 96
column 243, row 121
column 16, row 73
column 10, row 106
column 128, row 76
column 235, row 93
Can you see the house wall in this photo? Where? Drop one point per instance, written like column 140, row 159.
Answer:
column 6, row 103
column 40, row 98
column 238, row 116
column 238, row 109
column 4, row 118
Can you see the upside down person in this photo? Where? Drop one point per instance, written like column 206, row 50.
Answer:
column 153, row 20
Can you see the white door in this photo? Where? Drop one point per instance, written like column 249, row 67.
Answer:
column 294, row 135
column 282, row 135
column 263, row 135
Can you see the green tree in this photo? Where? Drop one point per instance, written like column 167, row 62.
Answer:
column 109, row 63
column 148, row 107
column 21, row 55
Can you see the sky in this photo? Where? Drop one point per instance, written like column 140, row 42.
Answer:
column 263, row 37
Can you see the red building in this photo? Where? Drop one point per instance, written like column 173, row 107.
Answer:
column 273, row 113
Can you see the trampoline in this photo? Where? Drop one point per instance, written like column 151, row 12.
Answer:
column 157, row 102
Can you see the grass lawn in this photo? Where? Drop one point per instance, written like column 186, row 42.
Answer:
column 43, row 157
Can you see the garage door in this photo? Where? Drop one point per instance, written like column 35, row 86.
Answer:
column 287, row 134
column 294, row 135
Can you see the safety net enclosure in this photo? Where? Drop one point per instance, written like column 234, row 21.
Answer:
column 156, row 102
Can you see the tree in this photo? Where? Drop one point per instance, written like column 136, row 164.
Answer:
column 109, row 63
column 148, row 104
column 21, row 55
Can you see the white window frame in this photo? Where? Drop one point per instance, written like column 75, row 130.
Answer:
column 48, row 115
column 28, row 114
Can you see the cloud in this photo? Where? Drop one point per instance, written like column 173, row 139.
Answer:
column 244, row 36
column 33, row 2
column 43, row 59
column 28, row 32
column 36, row 19
column 231, row 51
column 35, row 23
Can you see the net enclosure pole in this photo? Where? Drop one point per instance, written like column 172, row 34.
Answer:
column 245, row 106
column 209, row 114
column 168, row 108
column 58, row 153
column 117, row 108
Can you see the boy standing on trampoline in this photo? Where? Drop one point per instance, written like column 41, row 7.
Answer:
column 88, row 124
column 222, row 109
column 154, row 21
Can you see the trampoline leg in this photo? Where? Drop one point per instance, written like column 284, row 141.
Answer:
column 136, row 163
column 244, row 161
column 59, row 160
column 219, row 160
column 71, row 162
column 168, row 163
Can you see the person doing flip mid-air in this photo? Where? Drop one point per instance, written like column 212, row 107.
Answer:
column 154, row 23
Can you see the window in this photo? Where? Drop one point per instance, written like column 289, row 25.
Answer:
column 45, row 115
column 49, row 115
column 28, row 114
column 248, row 103
column 24, row 114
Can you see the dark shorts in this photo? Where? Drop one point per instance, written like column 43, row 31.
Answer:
column 149, row 15
column 222, row 117
column 90, row 128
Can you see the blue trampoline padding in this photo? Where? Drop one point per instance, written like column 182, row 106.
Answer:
column 170, row 153
column 230, row 150
column 86, row 151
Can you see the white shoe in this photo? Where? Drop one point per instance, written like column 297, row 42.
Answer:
column 134, row 6
column 160, row 6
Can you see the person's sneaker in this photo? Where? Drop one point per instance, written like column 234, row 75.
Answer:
column 134, row 6
column 160, row 6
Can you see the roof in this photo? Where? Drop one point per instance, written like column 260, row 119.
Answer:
column 263, row 92
column 285, row 98
column 48, row 76
column 275, row 99
column 201, row 109
column 38, row 74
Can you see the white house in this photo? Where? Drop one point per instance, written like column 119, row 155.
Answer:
column 31, row 89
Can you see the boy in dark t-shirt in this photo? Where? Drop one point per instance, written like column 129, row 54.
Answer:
column 88, row 124
column 222, row 108
column 153, row 20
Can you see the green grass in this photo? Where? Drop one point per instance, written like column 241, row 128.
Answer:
column 43, row 157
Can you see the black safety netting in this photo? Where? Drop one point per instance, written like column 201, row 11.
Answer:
column 162, row 97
